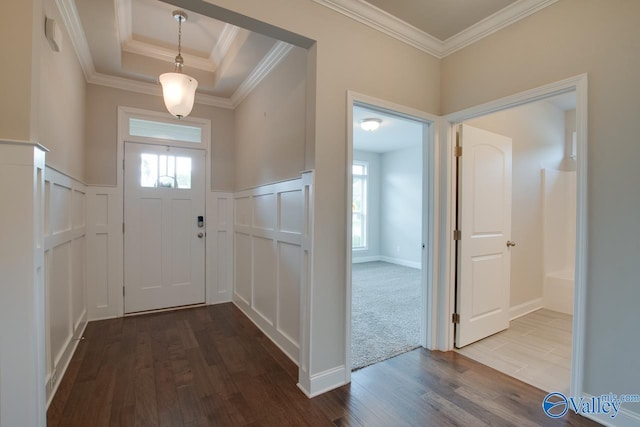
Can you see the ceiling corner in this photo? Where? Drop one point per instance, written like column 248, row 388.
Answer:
column 493, row 23
column 71, row 21
column 386, row 23
column 376, row 18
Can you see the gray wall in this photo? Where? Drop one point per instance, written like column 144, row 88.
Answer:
column 270, row 126
column 401, row 223
column 394, row 207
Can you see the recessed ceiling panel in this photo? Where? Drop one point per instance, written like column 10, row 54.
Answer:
column 152, row 21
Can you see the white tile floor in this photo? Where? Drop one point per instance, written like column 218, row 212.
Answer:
column 535, row 349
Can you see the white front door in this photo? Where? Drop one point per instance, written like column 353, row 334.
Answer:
column 164, row 244
column 484, row 219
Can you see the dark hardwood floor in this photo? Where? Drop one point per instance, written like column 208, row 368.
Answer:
column 210, row 366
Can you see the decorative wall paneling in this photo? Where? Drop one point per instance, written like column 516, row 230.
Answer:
column 65, row 272
column 268, row 259
column 104, row 252
column 219, row 247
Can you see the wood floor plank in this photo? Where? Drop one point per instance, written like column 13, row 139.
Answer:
column 210, row 366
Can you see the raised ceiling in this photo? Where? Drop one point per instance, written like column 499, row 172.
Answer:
column 129, row 43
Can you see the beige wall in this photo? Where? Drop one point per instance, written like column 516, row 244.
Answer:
column 537, row 132
column 101, row 135
column 270, row 126
column 600, row 38
column 19, row 72
column 349, row 56
column 61, row 118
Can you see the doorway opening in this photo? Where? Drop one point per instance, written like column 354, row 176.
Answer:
column 516, row 249
column 388, row 224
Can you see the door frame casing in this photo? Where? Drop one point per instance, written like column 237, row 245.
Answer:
column 429, row 214
column 124, row 114
column 445, row 328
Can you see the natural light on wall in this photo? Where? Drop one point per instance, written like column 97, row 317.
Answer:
column 359, row 206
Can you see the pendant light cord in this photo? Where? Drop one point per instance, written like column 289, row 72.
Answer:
column 179, row 60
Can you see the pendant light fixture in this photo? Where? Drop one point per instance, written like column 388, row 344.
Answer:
column 178, row 89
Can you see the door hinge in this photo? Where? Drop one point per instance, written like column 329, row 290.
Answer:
column 457, row 234
column 123, row 228
column 122, row 164
column 455, row 318
column 123, row 291
column 457, row 151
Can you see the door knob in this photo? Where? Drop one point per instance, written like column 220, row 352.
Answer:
column 510, row 243
column 201, row 235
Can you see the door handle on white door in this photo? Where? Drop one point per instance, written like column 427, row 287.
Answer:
column 201, row 235
column 510, row 243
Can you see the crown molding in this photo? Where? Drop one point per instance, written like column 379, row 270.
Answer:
column 268, row 63
column 124, row 27
column 73, row 25
column 493, row 23
column 164, row 54
column 153, row 89
column 220, row 50
column 380, row 20
column 386, row 23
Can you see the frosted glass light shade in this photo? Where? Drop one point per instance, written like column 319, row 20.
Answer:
column 370, row 125
column 178, row 91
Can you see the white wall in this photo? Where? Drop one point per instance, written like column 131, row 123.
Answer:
column 65, row 248
column 268, row 228
column 22, row 306
column 401, row 206
column 537, row 131
column 372, row 252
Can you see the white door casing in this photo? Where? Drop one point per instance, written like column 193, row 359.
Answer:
column 164, row 247
column 484, row 219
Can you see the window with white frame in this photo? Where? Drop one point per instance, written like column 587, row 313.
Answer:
column 359, row 206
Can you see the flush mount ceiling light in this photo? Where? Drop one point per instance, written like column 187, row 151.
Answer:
column 178, row 89
column 370, row 124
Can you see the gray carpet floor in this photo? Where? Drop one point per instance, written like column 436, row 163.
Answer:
column 385, row 312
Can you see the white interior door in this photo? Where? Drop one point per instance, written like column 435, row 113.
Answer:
column 164, row 245
column 484, row 218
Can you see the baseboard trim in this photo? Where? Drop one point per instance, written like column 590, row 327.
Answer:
column 525, row 308
column 72, row 346
column 402, row 262
column 359, row 260
column 625, row 417
column 324, row 381
column 257, row 319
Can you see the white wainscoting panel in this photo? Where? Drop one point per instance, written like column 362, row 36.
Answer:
column 104, row 252
column 219, row 247
column 65, row 272
column 268, row 224
column 310, row 386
